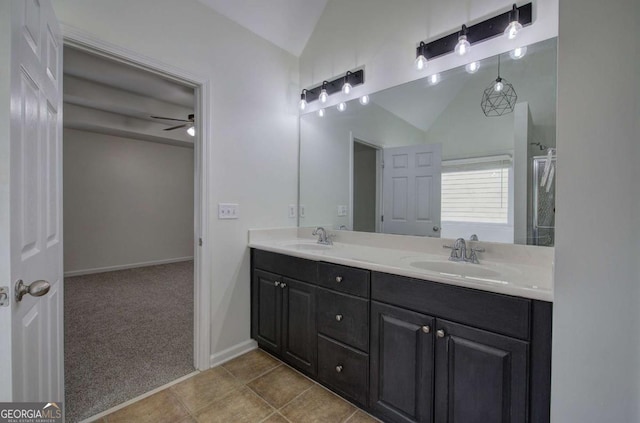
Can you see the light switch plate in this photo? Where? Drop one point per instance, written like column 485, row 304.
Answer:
column 228, row 211
column 292, row 211
column 342, row 211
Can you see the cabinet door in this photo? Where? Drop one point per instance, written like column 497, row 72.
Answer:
column 480, row 376
column 267, row 310
column 402, row 358
column 299, row 335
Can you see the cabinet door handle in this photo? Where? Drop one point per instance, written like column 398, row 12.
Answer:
column 283, row 285
column 339, row 317
column 426, row 329
column 339, row 368
column 338, row 279
column 276, row 283
column 440, row 333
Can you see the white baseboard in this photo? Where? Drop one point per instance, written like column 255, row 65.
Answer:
column 125, row 266
column 233, row 352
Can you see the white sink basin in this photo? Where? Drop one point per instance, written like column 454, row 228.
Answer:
column 456, row 269
column 307, row 246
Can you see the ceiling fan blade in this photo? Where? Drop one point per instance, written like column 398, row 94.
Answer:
column 168, row 118
column 175, row 127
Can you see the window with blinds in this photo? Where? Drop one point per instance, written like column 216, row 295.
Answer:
column 476, row 190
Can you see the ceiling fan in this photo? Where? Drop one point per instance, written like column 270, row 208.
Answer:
column 189, row 123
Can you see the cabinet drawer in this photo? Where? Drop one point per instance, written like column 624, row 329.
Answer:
column 292, row 267
column 344, row 279
column 485, row 310
column 344, row 317
column 344, row 369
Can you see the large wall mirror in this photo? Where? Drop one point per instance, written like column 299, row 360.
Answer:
column 424, row 159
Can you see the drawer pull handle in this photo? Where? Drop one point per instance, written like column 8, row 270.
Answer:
column 276, row 283
column 338, row 279
column 426, row 329
column 339, row 368
column 339, row 317
column 440, row 333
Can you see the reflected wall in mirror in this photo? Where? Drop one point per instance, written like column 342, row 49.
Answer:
column 423, row 159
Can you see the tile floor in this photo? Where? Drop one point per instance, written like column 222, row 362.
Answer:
column 252, row 388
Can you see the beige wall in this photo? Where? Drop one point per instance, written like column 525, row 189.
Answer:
column 126, row 201
column 254, row 140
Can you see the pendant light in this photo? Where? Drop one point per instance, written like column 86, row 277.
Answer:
column 463, row 45
column 514, row 24
column 421, row 60
column 499, row 98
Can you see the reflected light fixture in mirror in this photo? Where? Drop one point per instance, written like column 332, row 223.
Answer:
column 342, row 106
column 434, row 79
column 364, row 100
column 472, row 67
column 191, row 131
column 320, row 112
column 518, row 53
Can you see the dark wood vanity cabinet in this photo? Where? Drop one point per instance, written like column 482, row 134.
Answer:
column 405, row 350
column 283, row 313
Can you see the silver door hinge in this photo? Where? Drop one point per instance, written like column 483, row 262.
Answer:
column 4, row 296
column 200, row 242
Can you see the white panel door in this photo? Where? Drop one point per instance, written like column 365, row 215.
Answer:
column 411, row 190
column 34, row 209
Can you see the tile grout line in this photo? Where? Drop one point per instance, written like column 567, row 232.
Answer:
column 260, row 375
column 294, row 398
column 350, row 416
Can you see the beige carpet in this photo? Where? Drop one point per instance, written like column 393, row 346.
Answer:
column 126, row 333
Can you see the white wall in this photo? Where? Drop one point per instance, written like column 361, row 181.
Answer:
column 126, row 201
column 596, row 322
column 382, row 35
column 254, row 142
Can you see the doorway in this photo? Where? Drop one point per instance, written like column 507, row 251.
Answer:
column 133, row 214
column 365, row 186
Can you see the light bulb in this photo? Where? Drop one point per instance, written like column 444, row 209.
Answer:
column 472, row 67
column 434, row 79
column 342, row 106
column 191, row 131
column 518, row 53
column 499, row 86
column 364, row 100
column 421, row 62
column 321, row 112
column 302, row 104
column 463, row 46
column 346, row 88
column 512, row 30
column 323, row 97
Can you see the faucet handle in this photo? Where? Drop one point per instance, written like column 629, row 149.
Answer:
column 450, row 247
column 477, row 250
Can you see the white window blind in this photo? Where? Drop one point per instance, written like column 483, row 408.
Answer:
column 476, row 190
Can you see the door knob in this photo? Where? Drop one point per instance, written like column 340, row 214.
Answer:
column 37, row 289
column 283, row 285
column 436, row 228
column 338, row 279
column 440, row 333
column 339, row 317
column 339, row 368
column 426, row 329
column 276, row 283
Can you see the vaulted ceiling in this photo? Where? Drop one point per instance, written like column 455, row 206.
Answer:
column 286, row 23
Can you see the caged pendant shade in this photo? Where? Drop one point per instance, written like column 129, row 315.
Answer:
column 499, row 98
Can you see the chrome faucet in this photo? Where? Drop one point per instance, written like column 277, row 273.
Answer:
column 323, row 237
column 459, row 252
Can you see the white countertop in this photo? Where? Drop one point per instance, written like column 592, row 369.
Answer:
column 518, row 270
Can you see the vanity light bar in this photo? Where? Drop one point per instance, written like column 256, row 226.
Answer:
column 354, row 78
column 482, row 31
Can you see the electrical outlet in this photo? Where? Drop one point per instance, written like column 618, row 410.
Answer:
column 292, row 211
column 228, row 211
column 342, row 211
column 301, row 210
